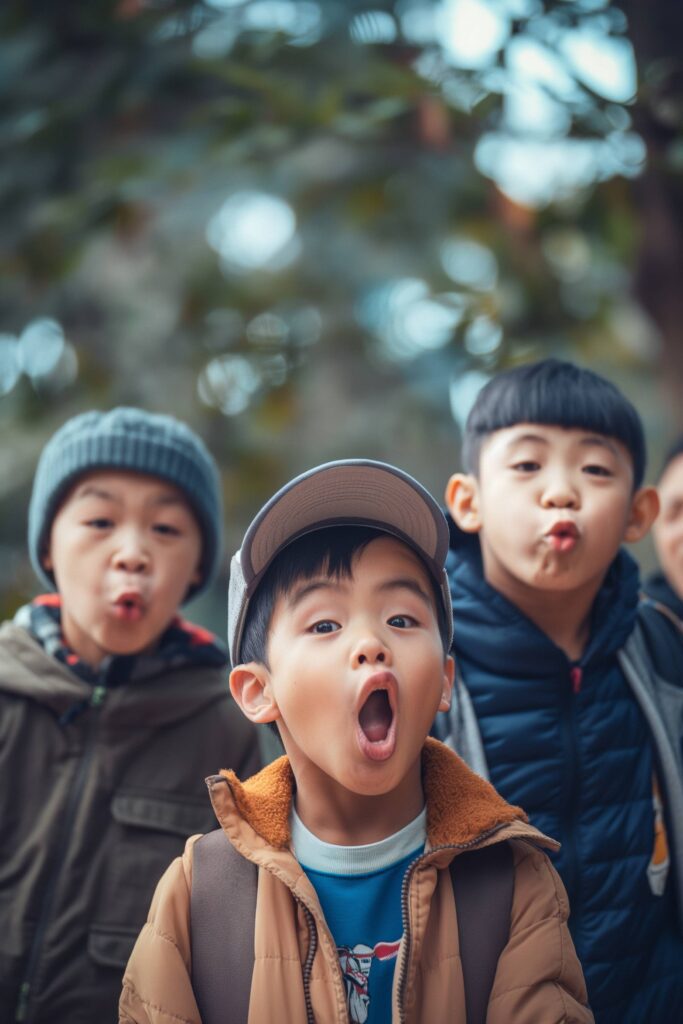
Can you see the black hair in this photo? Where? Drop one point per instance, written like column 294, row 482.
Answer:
column 330, row 551
column 559, row 394
column 674, row 451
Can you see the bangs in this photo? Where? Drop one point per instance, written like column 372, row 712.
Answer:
column 554, row 394
column 326, row 552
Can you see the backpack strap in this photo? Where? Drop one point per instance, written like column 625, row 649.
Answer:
column 222, row 913
column 483, row 885
column 663, row 637
column 223, row 943
column 651, row 661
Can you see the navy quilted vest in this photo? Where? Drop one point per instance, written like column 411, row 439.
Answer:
column 569, row 744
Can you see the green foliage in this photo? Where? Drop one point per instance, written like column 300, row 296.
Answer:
column 125, row 125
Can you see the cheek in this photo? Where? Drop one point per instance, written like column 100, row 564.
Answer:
column 668, row 537
column 71, row 573
column 305, row 698
column 176, row 569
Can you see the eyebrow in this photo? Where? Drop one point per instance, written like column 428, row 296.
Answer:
column 169, row 499
column 586, row 442
column 603, row 442
column 90, row 491
column 406, row 583
column 520, row 438
column 310, row 587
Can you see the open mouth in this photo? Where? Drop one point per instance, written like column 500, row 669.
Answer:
column 377, row 718
column 129, row 607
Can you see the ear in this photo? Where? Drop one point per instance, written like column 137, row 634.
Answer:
column 462, row 498
column 644, row 511
column 447, row 687
column 251, row 689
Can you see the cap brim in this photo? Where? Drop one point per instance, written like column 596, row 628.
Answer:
column 350, row 492
column 344, row 493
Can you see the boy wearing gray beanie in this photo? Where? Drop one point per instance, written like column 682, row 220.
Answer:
column 113, row 707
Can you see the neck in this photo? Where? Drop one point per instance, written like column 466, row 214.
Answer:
column 564, row 616
column 339, row 816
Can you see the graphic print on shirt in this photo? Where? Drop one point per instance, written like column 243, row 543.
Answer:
column 355, row 962
column 658, row 868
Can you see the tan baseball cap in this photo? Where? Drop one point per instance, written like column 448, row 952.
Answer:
column 350, row 492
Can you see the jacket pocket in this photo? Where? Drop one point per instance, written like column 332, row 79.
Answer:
column 112, row 946
column 162, row 813
column 147, row 831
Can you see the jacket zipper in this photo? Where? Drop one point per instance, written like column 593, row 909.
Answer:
column 308, row 962
column 572, row 793
column 21, row 1013
column 410, row 870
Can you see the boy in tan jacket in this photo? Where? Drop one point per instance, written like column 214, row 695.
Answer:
column 339, row 630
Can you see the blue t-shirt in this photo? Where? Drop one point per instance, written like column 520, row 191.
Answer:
column 359, row 888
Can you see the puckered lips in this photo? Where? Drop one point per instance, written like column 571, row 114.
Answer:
column 376, row 715
column 563, row 535
column 129, row 606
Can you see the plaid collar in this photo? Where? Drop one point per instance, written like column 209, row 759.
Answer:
column 181, row 644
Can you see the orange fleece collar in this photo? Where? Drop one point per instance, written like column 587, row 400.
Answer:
column 460, row 805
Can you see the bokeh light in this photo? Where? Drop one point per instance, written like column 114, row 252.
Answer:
column 10, row 369
column 463, row 391
column 471, row 31
column 41, row 345
column 604, row 63
column 372, row 27
column 300, row 22
column 469, row 263
column 228, row 383
column 253, row 230
column 407, row 320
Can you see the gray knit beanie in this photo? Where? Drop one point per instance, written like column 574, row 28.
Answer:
column 130, row 439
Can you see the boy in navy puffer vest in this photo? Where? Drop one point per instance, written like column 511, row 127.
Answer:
column 552, row 708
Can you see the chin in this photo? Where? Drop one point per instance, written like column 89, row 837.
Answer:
column 123, row 649
column 376, row 780
column 555, row 576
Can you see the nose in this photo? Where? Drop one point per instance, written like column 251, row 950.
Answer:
column 131, row 554
column 559, row 492
column 370, row 650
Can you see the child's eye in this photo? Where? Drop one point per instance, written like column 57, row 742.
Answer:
column 324, row 626
column 100, row 523
column 596, row 470
column 526, row 466
column 166, row 529
column 402, row 621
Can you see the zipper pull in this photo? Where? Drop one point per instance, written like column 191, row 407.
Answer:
column 98, row 695
column 576, row 675
column 22, row 1003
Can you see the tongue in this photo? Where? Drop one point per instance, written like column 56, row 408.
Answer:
column 375, row 716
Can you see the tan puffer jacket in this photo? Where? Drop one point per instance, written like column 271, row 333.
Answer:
column 539, row 979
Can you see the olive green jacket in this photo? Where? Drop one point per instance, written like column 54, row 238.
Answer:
column 91, row 814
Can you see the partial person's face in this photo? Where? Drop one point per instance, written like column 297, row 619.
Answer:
column 357, row 672
column 668, row 529
column 551, row 505
column 124, row 549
